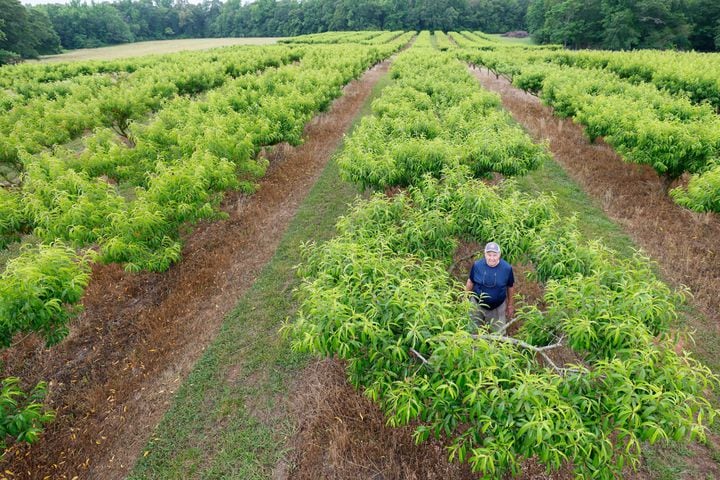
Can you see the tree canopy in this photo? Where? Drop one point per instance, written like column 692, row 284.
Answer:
column 626, row 24
column 25, row 33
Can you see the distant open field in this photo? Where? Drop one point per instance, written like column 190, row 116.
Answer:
column 526, row 40
column 156, row 46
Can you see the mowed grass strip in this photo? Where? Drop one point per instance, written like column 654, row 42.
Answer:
column 229, row 418
column 660, row 462
column 573, row 201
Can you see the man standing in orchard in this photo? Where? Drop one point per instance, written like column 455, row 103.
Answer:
column 491, row 280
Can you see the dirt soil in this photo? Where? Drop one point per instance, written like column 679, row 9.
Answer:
column 683, row 243
column 113, row 378
column 342, row 435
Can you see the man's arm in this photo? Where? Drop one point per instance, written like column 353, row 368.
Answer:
column 469, row 285
column 510, row 311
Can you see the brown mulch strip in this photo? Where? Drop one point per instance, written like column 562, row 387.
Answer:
column 342, row 435
column 113, row 378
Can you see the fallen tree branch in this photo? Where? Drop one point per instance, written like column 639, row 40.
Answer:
column 539, row 350
column 507, row 325
column 21, row 340
column 502, row 338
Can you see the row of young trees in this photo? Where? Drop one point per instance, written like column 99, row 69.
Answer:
column 415, row 130
column 641, row 119
column 125, row 197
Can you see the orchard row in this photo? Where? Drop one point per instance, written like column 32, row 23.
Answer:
column 136, row 177
column 380, row 296
column 653, row 108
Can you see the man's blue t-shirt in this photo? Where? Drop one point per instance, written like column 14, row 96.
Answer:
column 491, row 283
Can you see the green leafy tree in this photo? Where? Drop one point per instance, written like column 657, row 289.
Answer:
column 621, row 32
column 80, row 25
column 704, row 15
column 25, row 32
column 615, row 24
column 40, row 30
column 22, row 414
column 575, row 23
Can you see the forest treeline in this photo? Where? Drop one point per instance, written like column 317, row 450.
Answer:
column 26, row 32
column 626, row 24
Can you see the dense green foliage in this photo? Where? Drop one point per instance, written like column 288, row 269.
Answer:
column 369, row 37
column 21, row 414
column 81, row 25
column 175, row 167
column 89, row 25
column 644, row 123
column 696, row 75
column 42, row 113
column 379, row 296
column 39, row 290
column 132, row 185
column 702, row 193
column 624, row 25
column 380, row 290
column 24, row 32
column 12, row 217
column 433, row 117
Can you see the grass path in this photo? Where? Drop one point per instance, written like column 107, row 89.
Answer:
column 230, row 417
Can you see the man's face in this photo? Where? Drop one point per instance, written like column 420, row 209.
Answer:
column 492, row 258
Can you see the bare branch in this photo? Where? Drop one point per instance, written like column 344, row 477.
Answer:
column 501, row 338
column 507, row 325
column 419, row 355
column 554, row 345
column 539, row 350
column 21, row 340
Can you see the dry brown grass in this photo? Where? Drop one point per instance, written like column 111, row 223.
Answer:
column 342, row 435
column 138, row 49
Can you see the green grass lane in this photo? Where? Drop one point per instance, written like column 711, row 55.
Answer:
column 572, row 200
column 228, row 419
